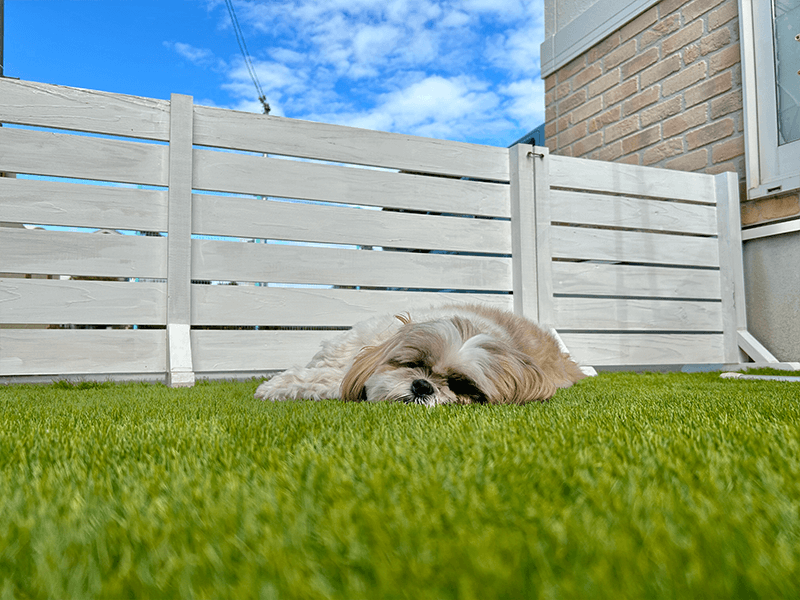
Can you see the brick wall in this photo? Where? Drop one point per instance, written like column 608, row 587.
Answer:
column 665, row 90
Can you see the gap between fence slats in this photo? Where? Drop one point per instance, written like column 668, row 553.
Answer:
column 660, row 282
column 265, row 219
column 600, row 349
column 53, row 301
column 306, row 139
column 82, row 351
column 633, row 246
column 27, row 251
column 45, row 105
column 228, row 305
column 81, row 157
column 262, row 176
column 633, row 315
column 630, row 180
column 633, row 213
column 79, row 205
column 233, row 261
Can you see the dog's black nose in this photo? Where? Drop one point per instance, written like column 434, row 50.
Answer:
column 421, row 388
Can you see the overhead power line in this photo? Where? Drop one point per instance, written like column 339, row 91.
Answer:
column 247, row 60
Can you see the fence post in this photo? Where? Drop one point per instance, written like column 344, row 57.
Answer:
column 179, row 243
column 544, row 251
column 523, row 231
column 738, row 342
column 734, row 316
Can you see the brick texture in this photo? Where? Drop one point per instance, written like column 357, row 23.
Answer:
column 664, row 90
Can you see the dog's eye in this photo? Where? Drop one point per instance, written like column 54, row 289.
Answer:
column 462, row 386
column 407, row 364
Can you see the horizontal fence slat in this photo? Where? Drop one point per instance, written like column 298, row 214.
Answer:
column 232, row 351
column 262, row 176
column 265, row 219
column 53, row 301
column 599, row 349
column 45, row 105
column 634, row 213
column 81, row 157
column 626, row 280
column 632, row 315
column 306, row 139
column 228, row 305
column 78, row 205
column 631, row 180
column 81, row 351
column 28, row 251
column 584, row 243
column 277, row 263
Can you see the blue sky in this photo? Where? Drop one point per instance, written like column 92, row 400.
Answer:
column 458, row 69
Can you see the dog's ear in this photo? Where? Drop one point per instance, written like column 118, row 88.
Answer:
column 355, row 380
column 533, row 384
column 519, row 380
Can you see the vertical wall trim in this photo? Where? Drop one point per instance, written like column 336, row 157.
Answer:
column 179, row 242
column 749, row 94
column 523, row 231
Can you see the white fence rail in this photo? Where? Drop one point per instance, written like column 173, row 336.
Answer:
column 265, row 233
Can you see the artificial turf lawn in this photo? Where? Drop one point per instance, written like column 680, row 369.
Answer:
column 624, row 486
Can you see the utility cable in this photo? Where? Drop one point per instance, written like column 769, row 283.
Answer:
column 248, row 61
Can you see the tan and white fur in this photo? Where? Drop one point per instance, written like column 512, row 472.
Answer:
column 460, row 354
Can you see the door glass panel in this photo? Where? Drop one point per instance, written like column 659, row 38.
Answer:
column 787, row 68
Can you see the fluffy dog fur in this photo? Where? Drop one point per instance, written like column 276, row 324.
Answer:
column 450, row 355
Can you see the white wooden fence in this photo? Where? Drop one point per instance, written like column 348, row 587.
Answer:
column 319, row 226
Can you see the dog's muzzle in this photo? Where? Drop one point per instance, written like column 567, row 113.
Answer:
column 422, row 391
column 421, row 388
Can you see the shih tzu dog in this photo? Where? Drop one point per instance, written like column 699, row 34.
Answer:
column 451, row 355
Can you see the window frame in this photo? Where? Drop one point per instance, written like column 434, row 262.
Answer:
column 771, row 168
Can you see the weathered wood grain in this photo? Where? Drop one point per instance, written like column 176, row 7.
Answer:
column 82, row 157
column 624, row 280
column 634, row 213
column 600, row 349
column 634, row 246
column 637, row 315
column 81, row 205
column 47, row 105
column 276, row 263
column 334, row 224
column 322, row 141
column 231, row 351
column 27, row 251
column 46, row 301
column 228, row 305
column 262, row 176
column 81, row 351
column 631, row 180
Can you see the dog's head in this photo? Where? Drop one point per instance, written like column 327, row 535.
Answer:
column 444, row 361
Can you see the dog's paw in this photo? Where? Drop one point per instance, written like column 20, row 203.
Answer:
column 266, row 391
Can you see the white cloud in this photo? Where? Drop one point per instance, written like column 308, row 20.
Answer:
column 459, row 69
column 198, row 56
column 436, row 99
column 517, row 51
column 508, row 9
column 454, row 108
column 454, row 19
column 524, row 101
